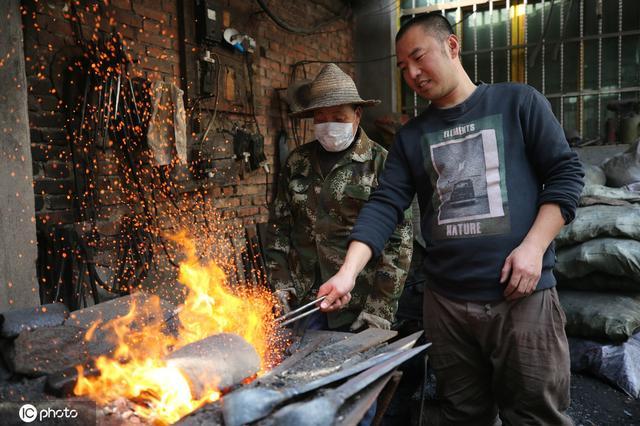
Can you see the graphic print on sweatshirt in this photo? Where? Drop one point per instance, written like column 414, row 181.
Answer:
column 466, row 162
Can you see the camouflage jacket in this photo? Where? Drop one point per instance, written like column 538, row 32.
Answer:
column 311, row 220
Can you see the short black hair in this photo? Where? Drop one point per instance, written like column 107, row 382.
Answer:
column 432, row 22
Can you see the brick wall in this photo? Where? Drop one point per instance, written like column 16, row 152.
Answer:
column 150, row 29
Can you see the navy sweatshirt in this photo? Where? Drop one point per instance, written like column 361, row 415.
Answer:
column 480, row 170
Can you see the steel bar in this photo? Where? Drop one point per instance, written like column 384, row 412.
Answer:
column 580, row 117
column 619, row 46
column 561, row 63
column 526, row 51
column 299, row 317
column 323, row 410
column 414, row 94
column 475, row 42
column 508, row 44
column 300, row 309
column 550, row 42
column 543, row 28
column 247, row 405
column 491, row 38
column 594, row 92
column 599, row 15
column 218, row 361
column 442, row 6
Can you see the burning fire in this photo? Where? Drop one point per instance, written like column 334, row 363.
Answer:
column 137, row 371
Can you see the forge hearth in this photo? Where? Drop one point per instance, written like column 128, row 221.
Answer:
column 40, row 351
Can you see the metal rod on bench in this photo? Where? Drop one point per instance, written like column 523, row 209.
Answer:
column 292, row 317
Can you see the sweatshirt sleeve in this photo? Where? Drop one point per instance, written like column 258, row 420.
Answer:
column 385, row 209
column 558, row 168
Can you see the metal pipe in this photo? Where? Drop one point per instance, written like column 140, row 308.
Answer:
column 561, row 63
column 491, row 37
column 542, row 26
column 300, row 309
column 414, row 94
column 442, row 6
column 508, row 45
column 594, row 92
column 619, row 46
column 581, row 73
column 550, row 42
column 526, row 51
column 599, row 17
column 475, row 43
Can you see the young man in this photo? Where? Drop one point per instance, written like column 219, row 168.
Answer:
column 322, row 187
column 496, row 180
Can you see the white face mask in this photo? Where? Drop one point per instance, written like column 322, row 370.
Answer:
column 334, row 137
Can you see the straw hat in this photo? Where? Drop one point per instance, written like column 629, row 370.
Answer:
column 331, row 87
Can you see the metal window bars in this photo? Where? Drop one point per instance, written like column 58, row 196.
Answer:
column 587, row 98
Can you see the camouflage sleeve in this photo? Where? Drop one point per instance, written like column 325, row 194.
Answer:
column 278, row 236
column 392, row 267
column 391, row 272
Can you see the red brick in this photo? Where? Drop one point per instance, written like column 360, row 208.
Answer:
column 122, row 4
column 40, row 152
column 149, row 12
column 128, row 18
column 56, row 170
column 155, row 40
column 151, row 26
column 53, row 186
column 54, row 217
column 170, row 6
column 59, row 202
column 156, row 48
column 248, row 211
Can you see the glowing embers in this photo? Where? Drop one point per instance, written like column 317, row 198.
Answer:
column 149, row 366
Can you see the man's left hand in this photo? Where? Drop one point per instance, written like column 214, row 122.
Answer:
column 522, row 269
column 369, row 321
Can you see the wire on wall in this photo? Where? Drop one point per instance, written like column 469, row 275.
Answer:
column 344, row 13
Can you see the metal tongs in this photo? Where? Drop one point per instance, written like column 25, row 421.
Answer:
column 299, row 313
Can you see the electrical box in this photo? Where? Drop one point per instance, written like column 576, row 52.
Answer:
column 209, row 21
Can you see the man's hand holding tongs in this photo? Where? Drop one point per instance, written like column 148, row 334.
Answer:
column 338, row 288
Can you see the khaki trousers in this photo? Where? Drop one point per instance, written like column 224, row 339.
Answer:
column 502, row 362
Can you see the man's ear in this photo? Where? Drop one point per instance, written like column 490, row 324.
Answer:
column 453, row 43
column 358, row 111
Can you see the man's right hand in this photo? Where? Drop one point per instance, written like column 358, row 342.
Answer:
column 338, row 287
column 338, row 291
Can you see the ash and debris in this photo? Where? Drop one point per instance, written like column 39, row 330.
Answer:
column 119, row 412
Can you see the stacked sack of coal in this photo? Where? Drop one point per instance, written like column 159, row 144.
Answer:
column 598, row 272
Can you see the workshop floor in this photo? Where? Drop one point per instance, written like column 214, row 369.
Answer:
column 594, row 402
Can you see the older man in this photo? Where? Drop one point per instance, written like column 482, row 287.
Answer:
column 322, row 187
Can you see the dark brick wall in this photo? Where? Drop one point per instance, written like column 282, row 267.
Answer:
column 151, row 29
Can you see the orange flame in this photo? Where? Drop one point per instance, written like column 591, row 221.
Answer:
column 137, row 371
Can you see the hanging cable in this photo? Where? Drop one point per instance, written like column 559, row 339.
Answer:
column 302, row 31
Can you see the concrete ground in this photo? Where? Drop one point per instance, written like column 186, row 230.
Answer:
column 594, row 402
